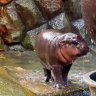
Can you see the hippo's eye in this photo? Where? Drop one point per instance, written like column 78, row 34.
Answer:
column 75, row 43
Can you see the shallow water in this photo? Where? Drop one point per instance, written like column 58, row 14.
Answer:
column 29, row 61
column 84, row 64
column 17, row 62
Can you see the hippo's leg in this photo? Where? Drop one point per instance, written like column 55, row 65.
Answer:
column 47, row 74
column 65, row 73
column 57, row 75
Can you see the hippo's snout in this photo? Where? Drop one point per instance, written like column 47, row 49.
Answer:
column 84, row 49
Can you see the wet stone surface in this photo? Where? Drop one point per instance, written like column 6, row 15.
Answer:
column 49, row 8
column 31, row 81
column 21, row 16
column 9, row 18
column 10, row 87
column 59, row 22
column 28, row 13
column 73, row 9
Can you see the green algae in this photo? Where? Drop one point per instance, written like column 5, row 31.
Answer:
column 27, row 43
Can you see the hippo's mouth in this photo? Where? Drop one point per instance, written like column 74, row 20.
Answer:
column 69, row 59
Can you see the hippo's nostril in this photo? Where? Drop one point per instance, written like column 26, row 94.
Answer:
column 75, row 42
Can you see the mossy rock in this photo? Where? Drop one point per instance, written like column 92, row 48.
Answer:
column 28, row 43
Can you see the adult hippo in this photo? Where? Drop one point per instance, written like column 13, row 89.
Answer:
column 89, row 15
column 57, row 51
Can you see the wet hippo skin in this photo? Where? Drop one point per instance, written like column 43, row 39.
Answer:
column 57, row 51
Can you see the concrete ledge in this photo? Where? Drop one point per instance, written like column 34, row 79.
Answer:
column 41, row 89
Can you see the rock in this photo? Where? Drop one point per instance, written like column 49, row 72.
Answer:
column 27, row 42
column 2, row 49
column 42, row 89
column 9, row 18
column 16, row 48
column 49, row 8
column 60, row 22
column 73, row 9
column 2, row 46
column 29, row 13
column 23, row 19
column 88, row 39
column 79, row 24
column 10, row 87
column 4, row 2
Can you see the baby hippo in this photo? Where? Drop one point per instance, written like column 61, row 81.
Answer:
column 57, row 52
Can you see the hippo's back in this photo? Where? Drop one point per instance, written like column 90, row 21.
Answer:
column 43, row 41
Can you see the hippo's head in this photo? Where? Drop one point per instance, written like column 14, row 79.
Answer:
column 71, row 46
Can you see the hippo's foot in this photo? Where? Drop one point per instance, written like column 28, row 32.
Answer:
column 62, row 85
column 58, row 86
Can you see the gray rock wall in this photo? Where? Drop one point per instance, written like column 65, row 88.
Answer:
column 23, row 19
